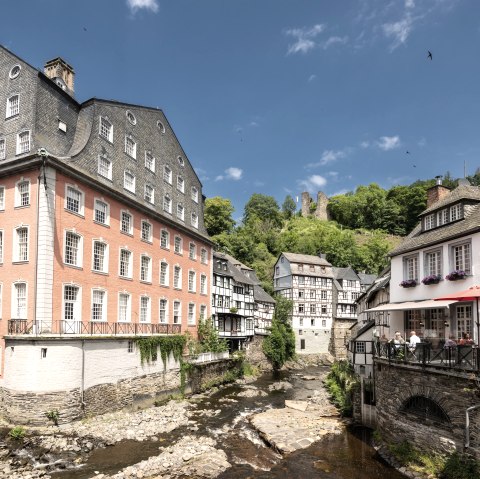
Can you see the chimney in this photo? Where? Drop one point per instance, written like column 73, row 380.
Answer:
column 437, row 192
column 61, row 73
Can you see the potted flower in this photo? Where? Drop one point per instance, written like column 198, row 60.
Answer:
column 431, row 279
column 408, row 283
column 457, row 274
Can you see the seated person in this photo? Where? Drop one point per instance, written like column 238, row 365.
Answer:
column 466, row 340
column 450, row 342
column 414, row 340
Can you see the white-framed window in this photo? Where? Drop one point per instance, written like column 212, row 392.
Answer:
column 177, row 245
column 160, row 126
column 74, row 200
column 126, row 222
column 464, row 320
column 125, row 263
column 145, row 309
column 19, row 300
column 72, row 310
column 149, row 194
column 461, row 257
column 455, row 212
column 99, row 305
column 147, row 231
column 106, row 129
column 194, row 219
column 429, row 222
column 167, row 174
column 204, row 256
column 177, row 277
column 163, row 273
column 22, row 193
column 149, row 161
column 145, row 268
column 177, row 312
column 203, row 311
column 410, row 264
column 191, row 313
column 181, row 161
column 14, row 71
column 180, row 184
column 165, row 239
column 13, row 106
column 23, row 142
column 130, row 147
column 192, row 251
column 73, row 249
column 180, row 211
column 20, row 244
column 3, row 151
column 100, row 256
column 124, row 307
column 102, row 212
column 433, row 262
column 167, row 203
column 442, row 217
column 163, row 311
column 203, row 284
column 2, row 197
column 1, row 246
column 104, row 167
column 1, row 300
column 191, row 281
column 194, row 192
column 129, row 181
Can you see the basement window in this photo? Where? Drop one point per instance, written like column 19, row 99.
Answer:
column 130, row 347
column 43, row 353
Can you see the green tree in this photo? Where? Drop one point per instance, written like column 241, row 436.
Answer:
column 262, row 207
column 279, row 345
column 289, row 207
column 218, row 215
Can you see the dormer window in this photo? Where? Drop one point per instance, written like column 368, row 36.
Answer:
column 442, row 217
column 429, row 222
column 455, row 212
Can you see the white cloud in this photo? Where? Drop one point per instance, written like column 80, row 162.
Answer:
column 333, row 174
column 330, row 156
column 422, row 142
column 387, row 143
column 304, row 38
column 409, row 3
column 312, row 183
column 365, row 144
column 398, row 31
column 254, row 124
column 311, row 78
column 136, row 5
column 340, row 192
column 333, row 41
column 231, row 173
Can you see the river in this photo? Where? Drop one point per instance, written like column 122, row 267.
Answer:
column 345, row 456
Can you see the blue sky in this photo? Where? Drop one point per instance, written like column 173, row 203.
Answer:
column 279, row 96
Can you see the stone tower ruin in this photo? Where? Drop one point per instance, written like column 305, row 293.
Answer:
column 321, row 209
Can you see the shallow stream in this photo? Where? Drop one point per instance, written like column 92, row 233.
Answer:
column 344, row 456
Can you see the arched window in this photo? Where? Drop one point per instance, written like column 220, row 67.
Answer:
column 425, row 408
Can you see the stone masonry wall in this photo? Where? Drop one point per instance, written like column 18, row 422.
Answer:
column 254, row 353
column 453, row 393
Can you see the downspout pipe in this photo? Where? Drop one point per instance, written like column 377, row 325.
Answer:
column 467, row 424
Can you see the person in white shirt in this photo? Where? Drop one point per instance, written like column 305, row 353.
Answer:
column 414, row 340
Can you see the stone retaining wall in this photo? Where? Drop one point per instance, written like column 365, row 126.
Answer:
column 453, row 393
column 254, row 353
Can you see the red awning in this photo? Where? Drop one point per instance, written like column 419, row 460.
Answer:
column 466, row 295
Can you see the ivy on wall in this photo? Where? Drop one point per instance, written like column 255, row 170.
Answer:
column 167, row 345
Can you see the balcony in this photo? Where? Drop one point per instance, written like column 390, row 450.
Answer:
column 22, row 327
column 461, row 358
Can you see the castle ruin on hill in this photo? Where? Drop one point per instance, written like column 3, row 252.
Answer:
column 320, row 211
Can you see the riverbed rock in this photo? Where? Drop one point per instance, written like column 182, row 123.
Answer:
column 289, row 429
column 250, row 393
column 280, row 386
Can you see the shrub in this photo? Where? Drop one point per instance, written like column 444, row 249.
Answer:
column 341, row 383
column 17, row 433
column 458, row 466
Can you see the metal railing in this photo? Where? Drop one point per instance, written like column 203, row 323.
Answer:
column 19, row 327
column 209, row 357
column 462, row 357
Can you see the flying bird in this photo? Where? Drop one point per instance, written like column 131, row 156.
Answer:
column 429, row 55
column 414, row 166
column 407, row 152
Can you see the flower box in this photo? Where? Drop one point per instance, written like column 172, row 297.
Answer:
column 408, row 283
column 431, row 279
column 455, row 275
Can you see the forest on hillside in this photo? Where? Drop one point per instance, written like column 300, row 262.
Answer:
column 365, row 225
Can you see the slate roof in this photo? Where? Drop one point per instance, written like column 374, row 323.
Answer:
column 364, row 328
column 366, row 279
column 261, row 295
column 470, row 223
column 306, row 259
column 345, row 273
